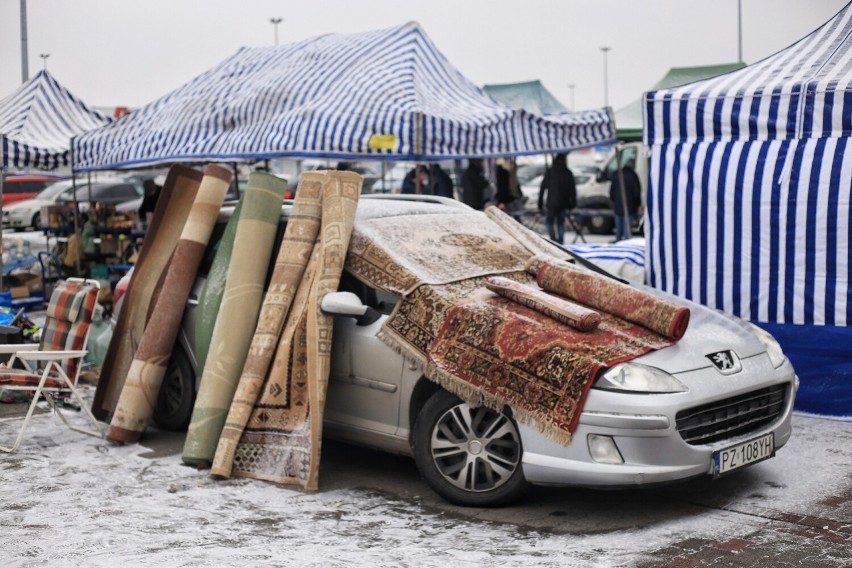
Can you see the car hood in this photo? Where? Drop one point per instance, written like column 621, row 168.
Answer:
column 709, row 331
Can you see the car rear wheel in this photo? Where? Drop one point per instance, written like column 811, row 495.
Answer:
column 469, row 456
column 177, row 394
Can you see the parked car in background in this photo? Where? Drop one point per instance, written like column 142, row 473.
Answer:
column 19, row 188
column 718, row 399
column 27, row 214
column 235, row 190
column 103, row 193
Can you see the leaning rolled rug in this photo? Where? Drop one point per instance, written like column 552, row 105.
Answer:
column 281, row 441
column 293, row 257
column 145, row 376
column 161, row 238
column 210, row 297
column 563, row 311
column 605, row 294
column 237, row 315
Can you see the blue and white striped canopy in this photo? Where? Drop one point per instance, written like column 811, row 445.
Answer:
column 37, row 122
column 387, row 94
column 750, row 183
column 748, row 204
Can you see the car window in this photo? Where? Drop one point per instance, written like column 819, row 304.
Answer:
column 123, row 192
column 379, row 300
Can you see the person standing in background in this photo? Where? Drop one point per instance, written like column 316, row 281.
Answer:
column 442, row 183
column 561, row 196
column 633, row 194
column 416, row 181
column 475, row 187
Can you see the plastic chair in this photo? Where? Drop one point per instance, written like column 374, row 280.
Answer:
column 62, row 348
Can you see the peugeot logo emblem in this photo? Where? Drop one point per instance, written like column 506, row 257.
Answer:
column 726, row 362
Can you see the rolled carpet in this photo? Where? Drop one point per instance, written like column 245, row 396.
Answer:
column 237, row 317
column 293, row 256
column 211, row 294
column 161, row 238
column 145, row 376
column 605, row 294
column 577, row 316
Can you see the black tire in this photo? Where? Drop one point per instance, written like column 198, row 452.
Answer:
column 469, row 456
column 600, row 225
column 37, row 222
column 177, row 394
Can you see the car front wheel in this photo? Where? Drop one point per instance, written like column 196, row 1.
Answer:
column 469, row 456
column 177, row 393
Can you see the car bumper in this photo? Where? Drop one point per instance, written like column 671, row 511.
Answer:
column 646, row 437
column 16, row 221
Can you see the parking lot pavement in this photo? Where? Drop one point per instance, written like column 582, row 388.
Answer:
column 69, row 497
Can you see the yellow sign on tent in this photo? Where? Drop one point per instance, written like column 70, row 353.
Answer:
column 382, row 142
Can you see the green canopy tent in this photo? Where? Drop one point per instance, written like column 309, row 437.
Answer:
column 529, row 95
column 628, row 120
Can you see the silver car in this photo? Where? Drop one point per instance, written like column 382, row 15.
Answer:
column 719, row 399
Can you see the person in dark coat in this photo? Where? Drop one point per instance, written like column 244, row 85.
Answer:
column 416, row 181
column 508, row 191
column 442, row 183
column 557, row 196
column 633, row 193
column 149, row 201
column 475, row 186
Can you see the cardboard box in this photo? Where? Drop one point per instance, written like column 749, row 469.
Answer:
column 23, row 284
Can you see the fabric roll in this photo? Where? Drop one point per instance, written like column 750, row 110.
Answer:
column 210, row 297
column 237, row 317
column 294, row 253
column 173, row 206
column 282, row 438
column 139, row 395
column 577, row 316
column 605, row 294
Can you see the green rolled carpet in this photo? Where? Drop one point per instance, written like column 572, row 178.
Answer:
column 214, row 287
column 237, row 317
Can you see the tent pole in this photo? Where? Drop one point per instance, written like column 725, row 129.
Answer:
column 2, row 175
column 76, row 209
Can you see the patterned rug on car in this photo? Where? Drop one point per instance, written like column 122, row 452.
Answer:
column 465, row 337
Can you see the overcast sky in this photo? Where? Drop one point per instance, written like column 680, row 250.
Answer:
column 130, row 52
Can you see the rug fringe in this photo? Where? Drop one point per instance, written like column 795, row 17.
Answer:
column 476, row 397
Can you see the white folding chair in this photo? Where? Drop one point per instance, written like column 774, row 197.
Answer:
column 52, row 367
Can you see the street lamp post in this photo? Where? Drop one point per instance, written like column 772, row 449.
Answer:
column 275, row 22
column 44, row 57
column 605, row 76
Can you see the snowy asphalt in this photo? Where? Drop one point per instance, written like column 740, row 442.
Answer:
column 73, row 500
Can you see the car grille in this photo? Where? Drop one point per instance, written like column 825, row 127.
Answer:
column 736, row 416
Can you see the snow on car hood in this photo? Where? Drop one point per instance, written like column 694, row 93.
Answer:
column 709, row 331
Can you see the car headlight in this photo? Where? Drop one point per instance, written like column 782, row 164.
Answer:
column 773, row 349
column 633, row 377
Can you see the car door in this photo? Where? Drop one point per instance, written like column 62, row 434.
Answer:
column 365, row 382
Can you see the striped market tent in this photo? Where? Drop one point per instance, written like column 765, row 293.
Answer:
column 387, row 94
column 37, row 122
column 748, row 206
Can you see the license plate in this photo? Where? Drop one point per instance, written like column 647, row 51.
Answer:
column 750, row 452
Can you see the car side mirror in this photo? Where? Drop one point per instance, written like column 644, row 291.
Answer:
column 343, row 304
column 349, row 305
column 602, row 175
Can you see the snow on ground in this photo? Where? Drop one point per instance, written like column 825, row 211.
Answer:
column 73, row 500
